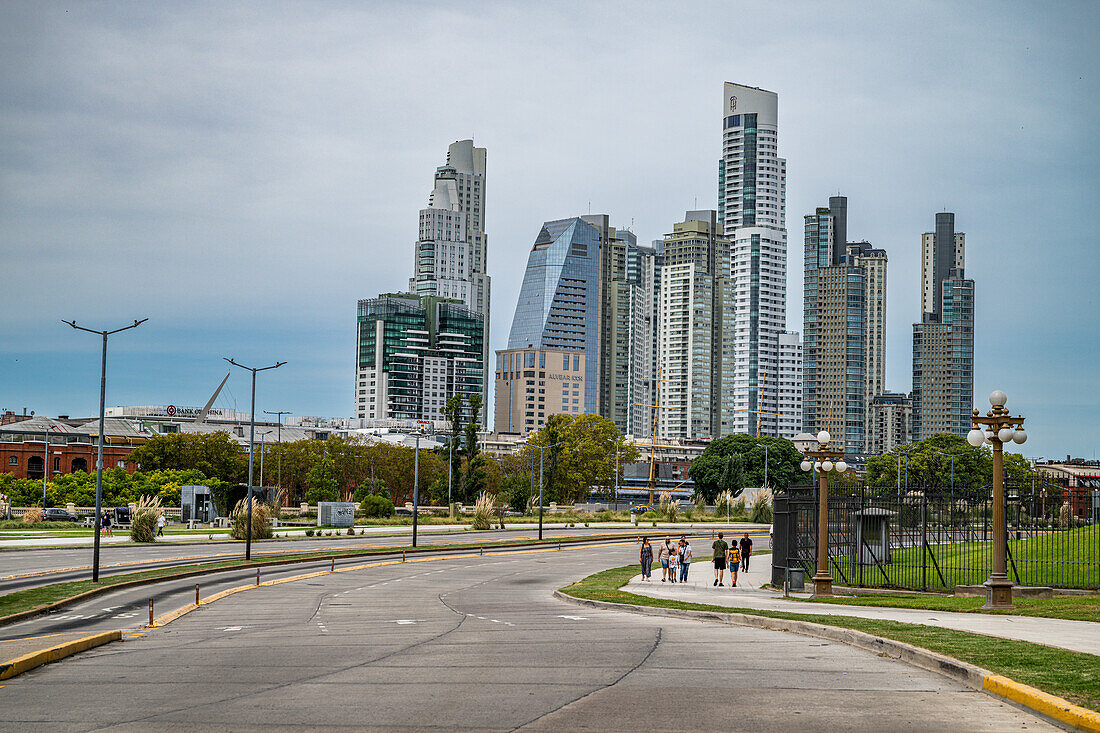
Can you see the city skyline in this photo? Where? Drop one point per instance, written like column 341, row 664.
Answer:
column 126, row 212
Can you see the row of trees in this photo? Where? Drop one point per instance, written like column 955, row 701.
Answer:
column 119, row 487
column 928, row 465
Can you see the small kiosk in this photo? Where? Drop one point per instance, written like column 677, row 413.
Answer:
column 873, row 535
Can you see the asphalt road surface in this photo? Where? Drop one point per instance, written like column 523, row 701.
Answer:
column 479, row 644
column 20, row 569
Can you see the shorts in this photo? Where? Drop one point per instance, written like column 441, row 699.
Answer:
column 719, row 563
column 734, row 566
column 664, row 563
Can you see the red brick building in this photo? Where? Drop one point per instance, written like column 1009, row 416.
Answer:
column 72, row 447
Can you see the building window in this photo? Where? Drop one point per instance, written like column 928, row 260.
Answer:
column 13, row 461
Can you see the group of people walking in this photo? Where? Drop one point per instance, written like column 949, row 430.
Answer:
column 675, row 559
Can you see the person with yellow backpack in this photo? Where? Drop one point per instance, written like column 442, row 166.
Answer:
column 733, row 560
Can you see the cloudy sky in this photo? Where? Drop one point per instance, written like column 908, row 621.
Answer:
column 242, row 173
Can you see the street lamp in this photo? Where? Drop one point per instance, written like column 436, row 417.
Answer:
column 765, row 446
column 280, row 414
column 416, row 482
column 263, row 451
column 823, row 460
column 1001, row 428
column 45, row 463
column 898, row 448
column 542, row 451
column 952, row 456
column 251, row 446
column 99, row 454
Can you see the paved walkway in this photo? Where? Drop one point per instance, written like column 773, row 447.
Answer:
column 1078, row 636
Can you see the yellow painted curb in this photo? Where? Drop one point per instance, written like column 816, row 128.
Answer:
column 1044, row 703
column 27, row 662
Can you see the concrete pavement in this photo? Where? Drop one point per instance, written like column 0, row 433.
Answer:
column 479, row 644
column 1079, row 636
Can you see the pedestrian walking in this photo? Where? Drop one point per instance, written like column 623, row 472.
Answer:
column 746, row 550
column 662, row 554
column 160, row 525
column 106, row 524
column 734, row 563
column 645, row 556
column 673, row 562
column 685, row 559
column 719, row 547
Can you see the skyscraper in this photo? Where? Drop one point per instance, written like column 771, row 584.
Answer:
column 644, row 274
column 694, row 342
column 844, row 324
column 943, row 342
column 752, row 194
column 414, row 353
column 790, row 384
column 450, row 256
column 558, row 296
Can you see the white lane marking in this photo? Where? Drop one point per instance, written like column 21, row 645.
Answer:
column 230, row 628
column 404, row 621
column 575, row 618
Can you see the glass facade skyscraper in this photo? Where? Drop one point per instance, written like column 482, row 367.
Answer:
column 559, row 298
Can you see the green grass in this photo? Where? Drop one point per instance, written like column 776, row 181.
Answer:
column 1059, row 559
column 1075, row 608
column 1074, row 676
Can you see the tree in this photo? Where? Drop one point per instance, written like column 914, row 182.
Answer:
column 216, row 455
column 583, row 460
column 929, row 465
column 783, row 461
column 733, row 475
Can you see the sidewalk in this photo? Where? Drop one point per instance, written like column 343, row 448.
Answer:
column 1078, row 636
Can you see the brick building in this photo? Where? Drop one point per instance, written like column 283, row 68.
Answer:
column 72, row 446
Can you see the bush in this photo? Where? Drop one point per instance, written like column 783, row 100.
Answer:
column 376, row 506
column 672, row 509
column 309, row 532
column 32, row 515
column 351, row 531
column 604, row 516
column 143, row 526
column 261, row 520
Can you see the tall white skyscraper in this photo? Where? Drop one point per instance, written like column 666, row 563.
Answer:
column 752, row 195
column 790, row 384
column 450, row 255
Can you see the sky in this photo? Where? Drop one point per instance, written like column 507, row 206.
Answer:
column 242, row 173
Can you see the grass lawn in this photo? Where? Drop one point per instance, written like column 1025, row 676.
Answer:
column 1060, row 559
column 1072, row 675
column 1075, row 608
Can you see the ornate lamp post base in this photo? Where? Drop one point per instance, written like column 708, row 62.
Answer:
column 823, row 585
column 998, row 593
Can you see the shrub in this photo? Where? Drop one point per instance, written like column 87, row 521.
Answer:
column 143, row 526
column 351, row 531
column 376, row 506
column 32, row 515
column 762, row 507
column 261, row 520
column 604, row 516
column 309, row 532
column 483, row 511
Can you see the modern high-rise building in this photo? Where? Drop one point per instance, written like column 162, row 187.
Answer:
column 752, row 194
column 450, row 256
column 790, row 384
column 844, row 328
column 943, row 342
column 414, row 353
column 644, row 274
column 891, row 419
column 558, row 300
column 694, row 344
column 532, row 384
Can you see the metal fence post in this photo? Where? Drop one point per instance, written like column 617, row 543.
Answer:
column 924, row 542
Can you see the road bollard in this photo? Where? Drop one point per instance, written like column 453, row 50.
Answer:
column 150, row 611
column 559, row 545
column 333, row 568
column 481, row 551
column 196, row 594
column 402, row 556
column 257, row 576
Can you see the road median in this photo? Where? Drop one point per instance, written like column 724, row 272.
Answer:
column 27, row 662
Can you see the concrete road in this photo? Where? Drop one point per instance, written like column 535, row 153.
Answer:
column 479, row 644
column 35, row 567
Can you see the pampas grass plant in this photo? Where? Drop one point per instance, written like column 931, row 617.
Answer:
column 143, row 527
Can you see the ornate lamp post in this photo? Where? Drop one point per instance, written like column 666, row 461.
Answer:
column 823, row 460
column 1000, row 428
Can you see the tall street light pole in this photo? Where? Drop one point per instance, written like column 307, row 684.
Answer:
column 45, row 464
column 280, row 413
column 263, row 451
column 765, row 446
column 542, row 452
column 102, row 412
column 823, row 460
column 952, row 456
column 1000, row 428
column 251, row 446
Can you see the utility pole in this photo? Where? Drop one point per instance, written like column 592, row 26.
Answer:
column 251, row 446
column 99, row 452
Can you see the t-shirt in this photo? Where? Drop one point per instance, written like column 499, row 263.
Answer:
column 685, row 554
column 746, row 546
column 720, row 548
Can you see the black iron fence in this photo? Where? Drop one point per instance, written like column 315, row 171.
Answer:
column 936, row 540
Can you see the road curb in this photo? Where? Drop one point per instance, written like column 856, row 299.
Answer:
column 978, row 678
column 27, row 662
